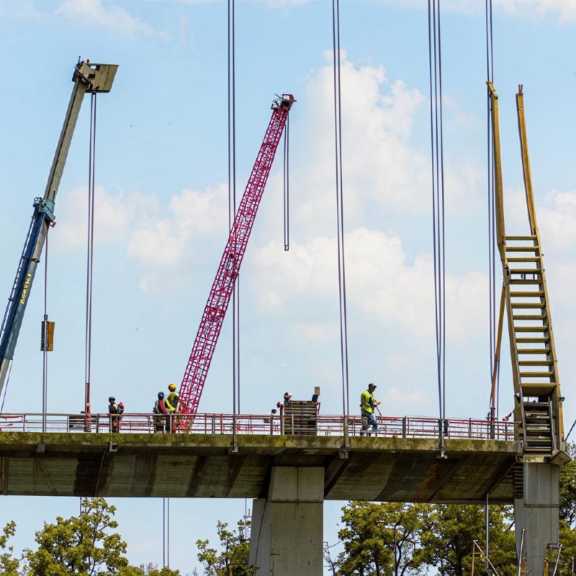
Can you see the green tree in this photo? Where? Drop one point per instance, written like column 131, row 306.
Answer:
column 568, row 490
column 380, row 539
column 448, row 535
column 568, row 515
column 9, row 566
column 231, row 558
column 82, row 545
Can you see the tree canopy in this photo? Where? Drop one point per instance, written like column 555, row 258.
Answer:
column 83, row 545
column 231, row 557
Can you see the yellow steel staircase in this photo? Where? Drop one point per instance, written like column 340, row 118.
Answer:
column 538, row 403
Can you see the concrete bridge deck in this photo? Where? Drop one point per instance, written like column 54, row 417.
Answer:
column 200, row 465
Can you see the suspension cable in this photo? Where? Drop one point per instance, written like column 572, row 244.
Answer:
column 286, row 188
column 491, row 191
column 90, row 255
column 490, row 181
column 340, row 212
column 438, row 202
column 232, row 205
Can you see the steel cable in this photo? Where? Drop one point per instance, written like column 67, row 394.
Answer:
column 438, row 202
column 344, row 362
column 232, row 203
column 90, row 255
column 6, row 388
column 45, row 342
column 286, row 190
column 490, row 181
column 166, row 532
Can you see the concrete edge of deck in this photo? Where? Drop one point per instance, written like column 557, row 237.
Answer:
column 253, row 443
column 207, row 466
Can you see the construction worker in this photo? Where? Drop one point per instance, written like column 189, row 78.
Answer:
column 113, row 411
column 119, row 417
column 368, row 405
column 160, row 414
column 171, row 403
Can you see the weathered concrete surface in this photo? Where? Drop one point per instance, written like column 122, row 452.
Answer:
column 287, row 525
column 537, row 513
column 378, row 469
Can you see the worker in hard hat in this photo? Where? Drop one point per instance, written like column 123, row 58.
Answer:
column 112, row 412
column 171, row 403
column 121, row 409
column 160, row 411
column 368, row 405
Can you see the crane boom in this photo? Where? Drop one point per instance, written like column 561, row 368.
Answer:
column 229, row 268
column 87, row 78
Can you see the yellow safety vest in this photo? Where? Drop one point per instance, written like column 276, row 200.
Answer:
column 367, row 402
column 171, row 402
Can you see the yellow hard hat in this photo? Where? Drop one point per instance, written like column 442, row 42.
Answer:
column 172, row 387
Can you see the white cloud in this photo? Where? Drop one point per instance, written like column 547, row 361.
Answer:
column 384, row 174
column 166, row 242
column 558, row 221
column 113, row 218
column 385, row 170
column 565, row 10
column 106, row 15
column 269, row 3
column 157, row 238
column 382, row 283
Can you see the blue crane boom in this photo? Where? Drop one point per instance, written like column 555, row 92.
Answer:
column 87, row 78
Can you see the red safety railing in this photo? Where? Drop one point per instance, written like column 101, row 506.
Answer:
column 252, row 424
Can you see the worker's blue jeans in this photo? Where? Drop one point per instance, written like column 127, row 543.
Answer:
column 369, row 419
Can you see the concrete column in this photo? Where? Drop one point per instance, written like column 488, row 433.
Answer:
column 287, row 526
column 538, row 513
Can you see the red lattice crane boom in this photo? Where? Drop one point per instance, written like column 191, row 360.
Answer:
column 229, row 268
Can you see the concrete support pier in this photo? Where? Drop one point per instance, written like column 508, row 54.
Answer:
column 537, row 513
column 287, row 526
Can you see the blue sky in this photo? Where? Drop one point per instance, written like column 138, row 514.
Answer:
column 161, row 205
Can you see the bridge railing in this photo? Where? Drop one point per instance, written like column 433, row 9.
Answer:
column 252, row 424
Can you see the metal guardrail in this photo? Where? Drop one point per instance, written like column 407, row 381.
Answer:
column 251, row 424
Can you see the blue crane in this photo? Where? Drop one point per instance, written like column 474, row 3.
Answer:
column 88, row 78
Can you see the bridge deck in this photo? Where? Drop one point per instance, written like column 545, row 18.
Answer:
column 204, row 466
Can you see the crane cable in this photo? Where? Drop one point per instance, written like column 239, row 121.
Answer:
column 438, row 203
column 491, row 190
column 232, row 206
column 286, row 187
column 344, row 364
column 90, row 256
column 45, row 341
column 6, row 389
